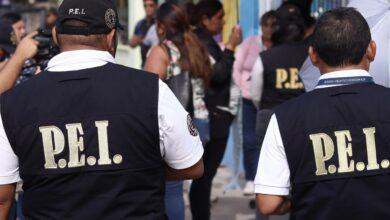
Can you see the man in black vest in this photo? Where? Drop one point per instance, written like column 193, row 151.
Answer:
column 92, row 139
column 275, row 77
column 275, row 74
column 331, row 146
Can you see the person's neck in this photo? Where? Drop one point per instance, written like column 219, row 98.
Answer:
column 266, row 42
column 329, row 69
column 77, row 47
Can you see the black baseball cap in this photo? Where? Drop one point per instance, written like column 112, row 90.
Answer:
column 6, row 37
column 101, row 16
column 288, row 10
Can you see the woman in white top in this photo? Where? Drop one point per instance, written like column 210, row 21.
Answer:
column 180, row 59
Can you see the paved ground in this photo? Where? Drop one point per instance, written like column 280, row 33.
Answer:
column 229, row 204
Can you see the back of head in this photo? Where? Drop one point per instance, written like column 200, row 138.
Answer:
column 76, row 40
column 289, row 26
column 207, row 8
column 12, row 17
column 190, row 9
column 87, row 24
column 52, row 11
column 341, row 37
column 172, row 19
column 7, row 41
column 194, row 56
column 267, row 16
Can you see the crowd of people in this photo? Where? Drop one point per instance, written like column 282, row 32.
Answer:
column 211, row 81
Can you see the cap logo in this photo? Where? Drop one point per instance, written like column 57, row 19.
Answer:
column 76, row 11
column 110, row 18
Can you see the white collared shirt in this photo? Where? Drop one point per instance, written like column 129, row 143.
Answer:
column 179, row 148
column 273, row 172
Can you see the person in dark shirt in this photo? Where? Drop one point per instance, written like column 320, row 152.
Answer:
column 275, row 74
column 142, row 28
column 220, row 100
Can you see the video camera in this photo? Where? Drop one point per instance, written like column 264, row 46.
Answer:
column 46, row 47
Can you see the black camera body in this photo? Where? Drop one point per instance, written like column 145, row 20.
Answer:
column 47, row 48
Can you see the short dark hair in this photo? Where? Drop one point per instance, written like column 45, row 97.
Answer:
column 341, row 37
column 52, row 11
column 12, row 17
column 207, row 8
column 155, row 1
column 268, row 15
column 289, row 26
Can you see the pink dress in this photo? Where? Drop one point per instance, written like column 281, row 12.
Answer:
column 246, row 56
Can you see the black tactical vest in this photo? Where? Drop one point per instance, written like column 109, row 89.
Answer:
column 337, row 144
column 88, row 144
column 281, row 69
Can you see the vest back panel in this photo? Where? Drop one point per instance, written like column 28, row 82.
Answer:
column 281, row 73
column 88, row 144
column 338, row 149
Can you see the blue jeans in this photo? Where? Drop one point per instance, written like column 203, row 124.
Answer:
column 203, row 127
column 251, row 150
column 174, row 201
column 19, row 208
column 16, row 211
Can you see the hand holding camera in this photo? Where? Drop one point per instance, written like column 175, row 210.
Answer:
column 28, row 47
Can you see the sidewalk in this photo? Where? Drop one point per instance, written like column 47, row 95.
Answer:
column 228, row 205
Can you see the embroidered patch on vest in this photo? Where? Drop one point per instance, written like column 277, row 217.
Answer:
column 191, row 128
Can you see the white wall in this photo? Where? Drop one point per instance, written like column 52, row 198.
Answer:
column 125, row 55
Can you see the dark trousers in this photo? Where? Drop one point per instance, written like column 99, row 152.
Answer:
column 250, row 150
column 200, row 191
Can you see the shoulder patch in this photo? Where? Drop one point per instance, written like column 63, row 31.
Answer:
column 191, row 128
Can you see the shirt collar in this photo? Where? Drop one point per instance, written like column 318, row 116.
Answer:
column 78, row 60
column 342, row 74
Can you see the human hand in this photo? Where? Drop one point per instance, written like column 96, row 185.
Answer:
column 28, row 47
column 235, row 38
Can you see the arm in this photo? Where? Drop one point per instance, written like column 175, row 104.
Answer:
column 157, row 62
column 180, row 145
column 272, row 182
column 138, row 36
column 193, row 172
column 256, row 88
column 135, row 41
column 27, row 48
column 7, row 195
column 273, row 205
column 2, row 64
column 9, row 173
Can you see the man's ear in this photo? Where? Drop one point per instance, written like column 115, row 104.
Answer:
column 110, row 39
column 54, row 35
column 313, row 56
column 371, row 51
